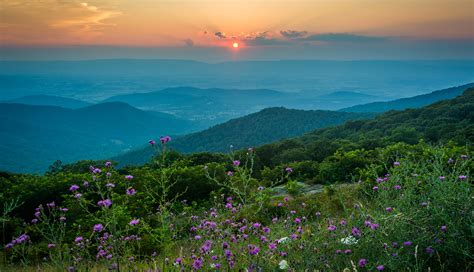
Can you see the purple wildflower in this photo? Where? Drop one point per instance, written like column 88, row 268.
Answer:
column 98, row 228
column 134, row 222
column 128, row 177
column 130, row 191
column 74, row 187
column 236, row 163
column 380, row 267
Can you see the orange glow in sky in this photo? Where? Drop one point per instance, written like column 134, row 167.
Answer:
column 209, row 23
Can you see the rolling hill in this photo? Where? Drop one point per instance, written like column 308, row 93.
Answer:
column 36, row 136
column 265, row 126
column 410, row 102
column 49, row 100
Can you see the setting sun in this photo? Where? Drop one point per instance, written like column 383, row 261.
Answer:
column 235, row 45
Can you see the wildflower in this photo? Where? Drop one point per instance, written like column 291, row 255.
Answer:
column 78, row 196
column 34, row 221
column 332, row 228
column 37, row 214
column 62, row 218
column 260, row 188
column 430, row 250
column 407, row 243
column 450, row 160
column 197, row 264
column 462, row 177
column 349, row 240
column 165, row 139
column 230, row 173
column 152, row 142
column 294, row 236
column 254, row 250
column 293, row 212
column 236, row 163
column 71, row 269
column 272, row 246
column 85, row 184
column 444, row 228
column 129, row 177
column 375, row 188
column 389, row 209
column 283, row 265
column 178, row 261
column 266, row 230
column 110, row 185
column 356, row 232
column 424, row 204
column 347, row 251
column 463, row 157
column 9, row 246
column 108, row 164
column 73, row 188
column 289, row 170
column 64, row 209
column 108, row 174
column 51, row 246
column 197, row 237
column 98, row 228
column 397, row 187
column 318, row 214
column 130, row 191
column 343, row 222
column 362, row 262
column 442, row 178
column 286, row 199
column 283, row 240
column 105, row 203
column 78, row 239
column 396, row 163
column 134, row 222
column 380, row 267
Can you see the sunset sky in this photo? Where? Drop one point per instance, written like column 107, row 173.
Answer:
column 197, row 29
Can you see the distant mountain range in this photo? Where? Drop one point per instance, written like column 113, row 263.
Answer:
column 262, row 127
column 33, row 137
column 96, row 80
column 216, row 105
column 49, row 100
column 410, row 102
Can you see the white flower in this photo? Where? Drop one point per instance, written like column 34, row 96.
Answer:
column 350, row 240
column 283, row 265
column 283, row 240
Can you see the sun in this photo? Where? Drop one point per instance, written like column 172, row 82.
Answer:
column 235, row 45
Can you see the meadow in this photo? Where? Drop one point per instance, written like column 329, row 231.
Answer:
column 410, row 210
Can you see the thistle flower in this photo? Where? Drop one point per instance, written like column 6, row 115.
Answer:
column 152, row 142
column 98, row 228
column 332, row 228
column 165, row 139
column 78, row 239
column 108, row 164
column 362, row 262
column 134, row 222
column 389, row 209
column 397, row 187
column 289, row 170
column 380, row 267
column 130, row 191
column 128, row 177
column 462, row 177
column 236, row 163
column 51, row 246
column 105, row 203
column 74, row 188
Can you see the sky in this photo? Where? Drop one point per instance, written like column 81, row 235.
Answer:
column 263, row 29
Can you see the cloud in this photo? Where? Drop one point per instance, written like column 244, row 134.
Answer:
column 342, row 37
column 220, row 35
column 291, row 34
column 189, row 42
